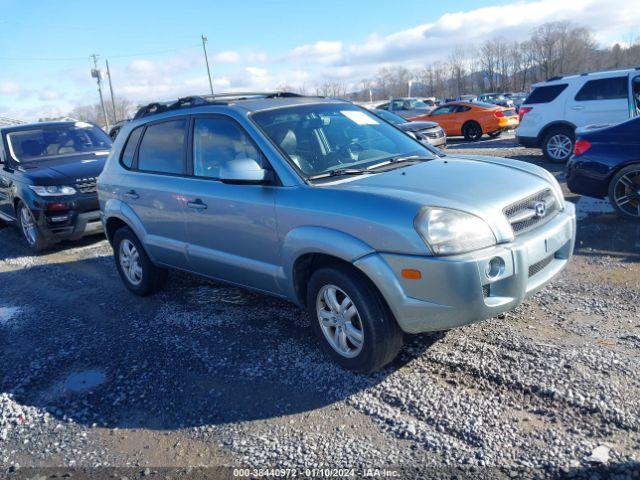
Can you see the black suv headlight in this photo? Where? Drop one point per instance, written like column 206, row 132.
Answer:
column 53, row 190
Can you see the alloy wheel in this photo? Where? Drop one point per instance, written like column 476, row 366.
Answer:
column 130, row 262
column 626, row 193
column 559, row 146
column 29, row 227
column 340, row 321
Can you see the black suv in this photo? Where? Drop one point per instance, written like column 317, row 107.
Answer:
column 48, row 175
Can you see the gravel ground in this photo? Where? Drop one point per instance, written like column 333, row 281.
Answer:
column 205, row 375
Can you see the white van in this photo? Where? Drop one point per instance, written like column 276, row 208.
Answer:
column 553, row 110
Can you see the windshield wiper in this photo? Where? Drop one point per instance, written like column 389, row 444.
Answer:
column 400, row 159
column 339, row 172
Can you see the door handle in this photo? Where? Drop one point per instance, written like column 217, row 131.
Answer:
column 132, row 195
column 197, row 205
column 577, row 107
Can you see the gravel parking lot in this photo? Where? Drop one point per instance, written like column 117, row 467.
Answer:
column 204, row 374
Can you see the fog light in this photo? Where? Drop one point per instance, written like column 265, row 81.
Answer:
column 495, row 267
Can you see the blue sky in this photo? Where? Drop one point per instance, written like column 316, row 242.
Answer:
column 154, row 50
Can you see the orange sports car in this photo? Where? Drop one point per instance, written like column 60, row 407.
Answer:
column 472, row 120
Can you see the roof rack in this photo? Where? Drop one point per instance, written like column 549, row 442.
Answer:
column 203, row 100
column 553, row 79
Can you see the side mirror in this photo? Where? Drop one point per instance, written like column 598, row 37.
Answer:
column 244, row 171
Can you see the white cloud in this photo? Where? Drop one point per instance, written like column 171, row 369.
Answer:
column 141, row 66
column 49, row 94
column 227, row 57
column 257, row 72
column 10, row 88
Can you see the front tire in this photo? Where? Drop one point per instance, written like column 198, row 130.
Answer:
column 136, row 270
column 351, row 320
column 29, row 229
column 472, row 131
column 557, row 145
column 624, row 192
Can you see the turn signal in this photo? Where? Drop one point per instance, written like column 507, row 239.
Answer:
column 411, row 274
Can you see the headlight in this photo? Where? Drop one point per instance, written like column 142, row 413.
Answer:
column 448, row 231
column 53, row 190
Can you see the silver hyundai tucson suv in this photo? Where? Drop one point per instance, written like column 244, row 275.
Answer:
column 325, row 204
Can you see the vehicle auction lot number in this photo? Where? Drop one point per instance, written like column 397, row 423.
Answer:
column 314, row 472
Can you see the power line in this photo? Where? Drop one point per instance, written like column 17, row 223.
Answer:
column 66, row 59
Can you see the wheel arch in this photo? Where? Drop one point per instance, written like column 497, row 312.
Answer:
column 117, row 215
column 550, row 126
column 307, row 248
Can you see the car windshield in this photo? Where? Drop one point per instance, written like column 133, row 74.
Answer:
column 39, row 143
column 322, row 138
column 390, row 117
column 412, row 103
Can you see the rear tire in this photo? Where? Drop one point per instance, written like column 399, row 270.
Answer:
column 472, row 131
column 624, row 192
column 135, row 268
column 360, row 321
column 557, row 144
column 29, row 229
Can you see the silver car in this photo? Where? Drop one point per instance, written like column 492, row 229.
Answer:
column 427, row 132
column 320, row 202
column 406, row 107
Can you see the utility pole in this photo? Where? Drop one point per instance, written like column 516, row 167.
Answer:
column 113, row 102
column 97, row 74
column 206, row 59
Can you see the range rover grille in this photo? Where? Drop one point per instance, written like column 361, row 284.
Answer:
column 86, row 185
column 532, row 211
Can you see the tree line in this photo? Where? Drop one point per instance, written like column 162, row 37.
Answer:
column 500, row 65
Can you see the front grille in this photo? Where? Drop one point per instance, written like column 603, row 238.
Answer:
column 539, row 266
column 486, row 290
column 532, row 211
column 87, row 185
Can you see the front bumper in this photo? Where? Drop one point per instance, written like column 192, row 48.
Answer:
column 527, row 142
column 455, row 290
column 67, row 218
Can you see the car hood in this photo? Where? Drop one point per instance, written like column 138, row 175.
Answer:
column 483, row 186
column 417, row 126
column 65, row 170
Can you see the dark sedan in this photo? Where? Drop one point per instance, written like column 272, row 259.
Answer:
column 426, row 132
column 606, row 163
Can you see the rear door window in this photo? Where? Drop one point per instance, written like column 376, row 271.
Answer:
column 162, row 147
column 545, row 94
column 603, row 89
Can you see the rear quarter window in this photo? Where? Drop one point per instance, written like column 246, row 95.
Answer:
column 545, row 94
column 603, row 89
column 130, row 148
